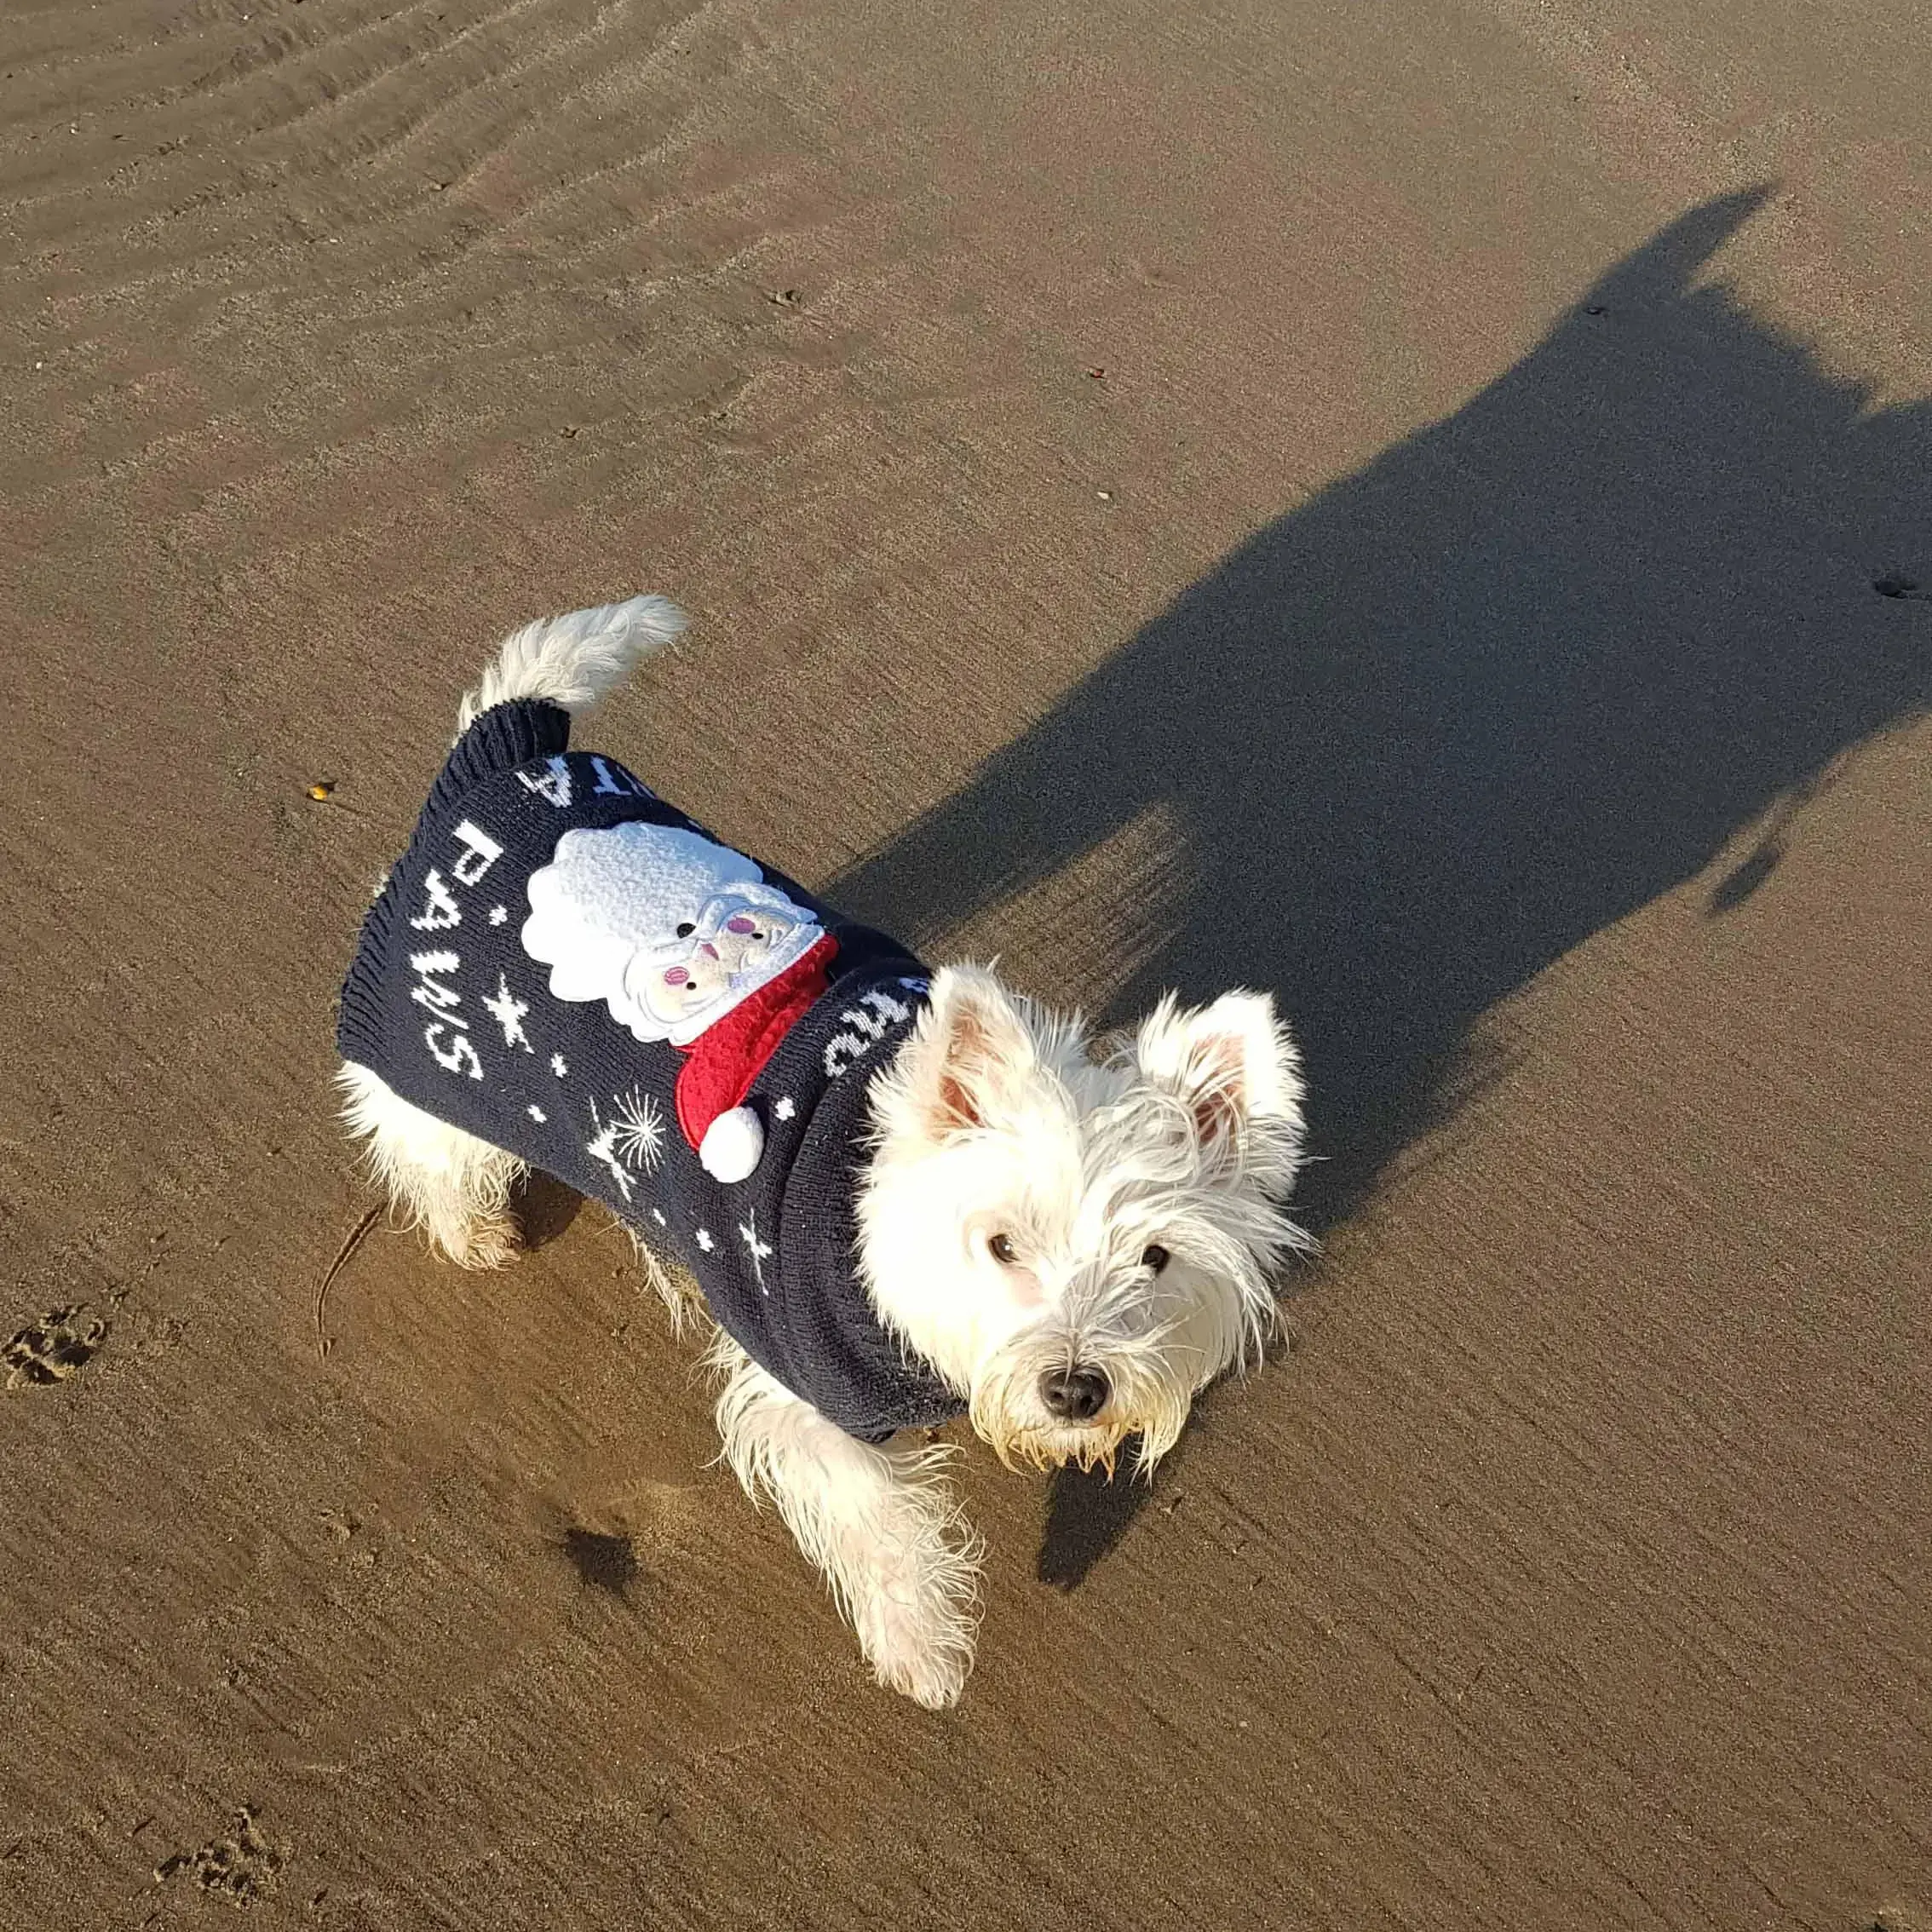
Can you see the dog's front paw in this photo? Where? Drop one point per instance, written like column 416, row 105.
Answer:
column 923, row 1651
column 484, row 1242
column 918, row 1636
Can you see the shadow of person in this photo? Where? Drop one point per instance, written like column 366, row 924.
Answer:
column 1528, row 670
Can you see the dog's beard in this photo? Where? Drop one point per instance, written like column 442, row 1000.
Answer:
column 1150, row 1395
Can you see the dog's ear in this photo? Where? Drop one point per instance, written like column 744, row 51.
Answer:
column 1231, row 1063
column 972, row 1050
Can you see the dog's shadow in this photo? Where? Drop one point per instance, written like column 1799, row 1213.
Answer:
column 1527, row 671
column 545, row 1207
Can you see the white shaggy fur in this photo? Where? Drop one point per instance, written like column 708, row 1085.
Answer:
column 574, row 660
column 453, row 1185
column 1078, row 1241
column 879, row 1523
column 996, row 1121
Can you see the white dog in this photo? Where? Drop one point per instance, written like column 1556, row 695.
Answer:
column 902, row 1197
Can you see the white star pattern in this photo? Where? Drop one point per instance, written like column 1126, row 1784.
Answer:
column 705, row 1240
column 537, row 1113
column 557, row 1065
column 508, row 1010
column 785, row 1109
column 658, row 1215
column 498, row 914
column 761, row 1251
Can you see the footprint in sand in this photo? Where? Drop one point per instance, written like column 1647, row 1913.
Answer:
column 59, row 1344
column 240, row 1868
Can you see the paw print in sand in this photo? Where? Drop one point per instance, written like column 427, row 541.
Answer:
column 59, row 1344
column 239, row 1869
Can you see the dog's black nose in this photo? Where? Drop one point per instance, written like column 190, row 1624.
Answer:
column 1074, row 1394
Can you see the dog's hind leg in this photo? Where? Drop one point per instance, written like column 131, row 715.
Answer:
column 880, row 1522
column 450, row 1183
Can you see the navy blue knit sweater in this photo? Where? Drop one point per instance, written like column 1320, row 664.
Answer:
column 575, row 972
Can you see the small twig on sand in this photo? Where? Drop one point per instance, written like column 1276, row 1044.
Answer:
column 351, row 1242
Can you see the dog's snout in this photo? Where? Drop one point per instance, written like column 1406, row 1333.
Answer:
column 1074, row 1394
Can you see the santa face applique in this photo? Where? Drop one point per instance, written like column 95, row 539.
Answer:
column 676, row 934
column 668, row 928
column 713, row 962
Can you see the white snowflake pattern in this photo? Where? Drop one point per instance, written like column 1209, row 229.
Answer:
column 508, row 1010
column 705, row 1240
column 658, row 1215
column 785, row 1108
column 498, row 914
column 632, row 1140
column 760, row 1251
column 640, row 1124
column 559, row 1066
column 538, row 1114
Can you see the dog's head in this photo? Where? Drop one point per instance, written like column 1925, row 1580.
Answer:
column 1080, row 1242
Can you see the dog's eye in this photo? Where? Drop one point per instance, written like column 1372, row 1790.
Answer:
column 1001, row 1248
column 1154, row 1257
column 686, row 930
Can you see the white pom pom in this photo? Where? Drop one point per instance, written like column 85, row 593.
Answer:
column 734, row 1145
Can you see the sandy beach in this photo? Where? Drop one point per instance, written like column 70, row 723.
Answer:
column 1424, row 508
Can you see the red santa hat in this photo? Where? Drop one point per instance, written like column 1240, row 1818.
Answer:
column 720, row 1064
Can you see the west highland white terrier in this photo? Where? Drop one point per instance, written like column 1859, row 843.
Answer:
column 903, row 1196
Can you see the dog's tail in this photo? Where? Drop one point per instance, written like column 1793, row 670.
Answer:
column 573, row 660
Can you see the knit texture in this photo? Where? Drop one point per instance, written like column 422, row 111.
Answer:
column 575, row 972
